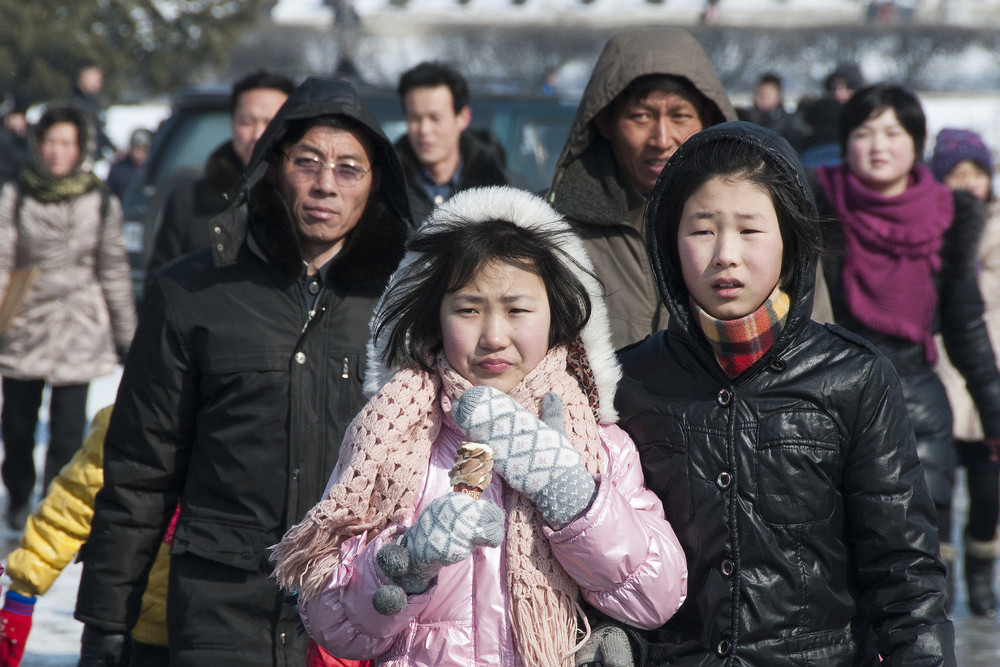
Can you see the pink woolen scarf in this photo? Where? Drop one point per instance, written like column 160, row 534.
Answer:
column 384, row 459
column 891, row 251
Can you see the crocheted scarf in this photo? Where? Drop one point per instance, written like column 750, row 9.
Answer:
column 383, row 462
column 891, row 251
column 739, row 343
column 47, row 189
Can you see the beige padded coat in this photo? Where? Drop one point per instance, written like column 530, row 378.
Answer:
column 82, row 305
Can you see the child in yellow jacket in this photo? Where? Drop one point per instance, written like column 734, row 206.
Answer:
column 52, row 537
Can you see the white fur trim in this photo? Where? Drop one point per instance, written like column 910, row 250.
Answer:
column 530, row 212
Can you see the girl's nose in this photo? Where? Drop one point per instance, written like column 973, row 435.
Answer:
column 725, row 251
column 495, row 335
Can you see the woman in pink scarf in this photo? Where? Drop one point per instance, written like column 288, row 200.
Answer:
column 493, row 320
column 905, row 270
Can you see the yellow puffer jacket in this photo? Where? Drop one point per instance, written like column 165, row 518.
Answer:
column 60, row 525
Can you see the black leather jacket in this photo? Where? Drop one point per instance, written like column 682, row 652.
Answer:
column 795, row 489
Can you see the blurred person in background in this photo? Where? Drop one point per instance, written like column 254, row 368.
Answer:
column 88, row 95
column 820, row 142
column 902, row 267
column 439, row 156
column 14, row 151
column 62, row 250
column 963, row 162
column 768, row 110
column 122, row 171
column 189, row 206
column 649, row 91
column 245, row 373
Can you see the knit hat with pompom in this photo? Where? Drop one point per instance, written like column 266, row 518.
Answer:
column 954, row 146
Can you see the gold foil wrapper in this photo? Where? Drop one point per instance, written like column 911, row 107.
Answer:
column 473, row 469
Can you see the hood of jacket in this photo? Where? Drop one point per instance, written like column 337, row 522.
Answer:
column 586, row 163
column 530, row 212
column 773, row 148
column 260, row 219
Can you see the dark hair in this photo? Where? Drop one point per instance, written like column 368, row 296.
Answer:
column 430, row 74
column 451, row 257
column 642, row 86
column 257, row 80
column 64, row 114
column 872, row 101
column 736, row 159
column 297, row 129
column 771, row 78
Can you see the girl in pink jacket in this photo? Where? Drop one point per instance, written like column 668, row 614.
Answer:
column 493, row 319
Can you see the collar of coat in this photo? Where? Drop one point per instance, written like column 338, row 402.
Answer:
column 264, row 227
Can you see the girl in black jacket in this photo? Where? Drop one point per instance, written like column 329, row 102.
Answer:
column 781, row 447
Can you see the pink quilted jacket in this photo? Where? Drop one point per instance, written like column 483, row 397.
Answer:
column 621, row 552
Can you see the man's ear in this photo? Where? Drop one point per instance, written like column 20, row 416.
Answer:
column 465, row 116
column 602, row 121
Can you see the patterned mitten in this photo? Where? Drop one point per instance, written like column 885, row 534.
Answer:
column 445, row 533
column 534, row 457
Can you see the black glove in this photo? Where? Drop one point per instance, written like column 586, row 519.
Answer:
column 99, row 648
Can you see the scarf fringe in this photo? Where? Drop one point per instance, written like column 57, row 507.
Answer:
column 533, row 608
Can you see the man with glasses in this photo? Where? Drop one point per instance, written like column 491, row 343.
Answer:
column 245, row 371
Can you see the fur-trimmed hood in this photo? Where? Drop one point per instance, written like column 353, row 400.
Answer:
column 530, row 212
column 260, row 220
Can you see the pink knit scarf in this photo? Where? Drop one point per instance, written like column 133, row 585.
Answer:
column 891, row 251
column 383, row 462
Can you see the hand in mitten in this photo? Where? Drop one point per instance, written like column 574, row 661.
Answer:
column 534, row 457
column 608, row 646
column 15, row 624
column 445, row 533
column 99, row 648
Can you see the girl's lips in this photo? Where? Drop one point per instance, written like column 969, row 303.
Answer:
column 727, row 289
column 494, row 365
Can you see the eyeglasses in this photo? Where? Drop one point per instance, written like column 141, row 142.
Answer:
column 346, row 174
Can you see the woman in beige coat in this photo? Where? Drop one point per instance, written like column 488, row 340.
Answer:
column 963, row 162
column 59, row 223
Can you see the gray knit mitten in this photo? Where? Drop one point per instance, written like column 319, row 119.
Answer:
column 608, row 646
column 445, row 533
column 535, row 457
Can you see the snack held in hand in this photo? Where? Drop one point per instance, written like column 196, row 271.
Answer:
column 473, row 469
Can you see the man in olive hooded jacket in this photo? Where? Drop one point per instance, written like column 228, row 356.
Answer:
column 245, row 371
column 649, row 91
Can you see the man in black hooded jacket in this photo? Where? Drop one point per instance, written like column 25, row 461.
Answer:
column 244, row 373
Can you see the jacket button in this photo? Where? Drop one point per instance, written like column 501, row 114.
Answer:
column 724, row 397
column 777, row 365
column 727, row 568
column 295, row 474
column 723, row 647
column 218, row 230
column 218, row 247
column 724, row 480
column 300, row 357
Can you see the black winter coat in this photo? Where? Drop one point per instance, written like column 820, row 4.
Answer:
column 481, row 166
column 959, row 321
column 795, row 489
column 234, row 401
column 189, row 207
